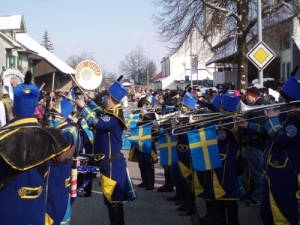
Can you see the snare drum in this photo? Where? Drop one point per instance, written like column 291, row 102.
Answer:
column 80, row 161
column 82, row 177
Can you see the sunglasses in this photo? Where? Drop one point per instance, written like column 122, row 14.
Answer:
column 53, row 116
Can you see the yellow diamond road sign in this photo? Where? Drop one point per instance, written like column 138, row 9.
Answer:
column 261, row 55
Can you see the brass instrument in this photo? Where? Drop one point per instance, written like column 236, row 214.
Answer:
column 245, row 109
column 203, row 121
column 88, row 75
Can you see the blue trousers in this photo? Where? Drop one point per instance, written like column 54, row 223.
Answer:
column 254, row 159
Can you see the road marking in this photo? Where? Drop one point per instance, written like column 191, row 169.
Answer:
column 98, row 192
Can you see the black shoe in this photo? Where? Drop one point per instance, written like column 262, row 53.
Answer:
column 253, row 203
column 166, row 188
column 173, row 198
column 143, row 184
column 185, row 213
column 179, row 202
column 180, row 208
column 148, row 187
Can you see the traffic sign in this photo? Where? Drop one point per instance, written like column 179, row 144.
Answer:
column 187, row 78
column 261, row 55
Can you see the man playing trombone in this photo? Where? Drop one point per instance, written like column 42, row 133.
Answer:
column 256, row 146
column 282, row 158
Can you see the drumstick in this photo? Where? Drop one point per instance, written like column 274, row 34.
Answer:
column 52, row 88
column 42, row 86
column 78, row 85
column 67, row 97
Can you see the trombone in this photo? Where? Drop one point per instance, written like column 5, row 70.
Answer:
column 195, row 120
column 245, row 109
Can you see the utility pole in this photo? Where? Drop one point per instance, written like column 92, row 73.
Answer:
column 259, row 34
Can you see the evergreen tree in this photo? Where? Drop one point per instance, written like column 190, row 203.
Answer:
column 46, row 42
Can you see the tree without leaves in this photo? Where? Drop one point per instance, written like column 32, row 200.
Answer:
column 74, row 60
column 135, row 63
column 224, row 19
column 46, row 42
column 107, row 77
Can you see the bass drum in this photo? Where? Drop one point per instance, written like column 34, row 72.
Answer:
column 7, row 75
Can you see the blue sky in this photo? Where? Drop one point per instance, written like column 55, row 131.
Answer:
column 111, row 28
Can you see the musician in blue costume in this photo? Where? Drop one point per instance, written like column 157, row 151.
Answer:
column 281, row 158
column 146, row 160
column 205, row 176
column 115, row 181
column 26, row 150
column 182, row 174
column 59, row 184
column 224, row 185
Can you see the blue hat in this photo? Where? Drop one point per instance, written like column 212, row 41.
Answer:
column 189, row 102
column 216, row 102
column 63, row 107
column 26, row 97
column 290, row 90
column 117, row 91
column 230, row 102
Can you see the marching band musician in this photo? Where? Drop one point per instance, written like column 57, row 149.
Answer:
column 58, row 206
column 181, row 172
column 146, row 160
column 26, row 149
column 205, row 180
column 281, row 158
column 225, row 177
column 116, row 183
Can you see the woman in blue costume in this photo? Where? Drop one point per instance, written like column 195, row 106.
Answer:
column 281, row 158
column 115, row 181
column 58, row 198
column 26, row 149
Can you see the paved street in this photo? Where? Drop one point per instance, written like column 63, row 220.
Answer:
column 151, row 208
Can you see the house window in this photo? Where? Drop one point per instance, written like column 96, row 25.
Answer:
column 167, row 67
column 10, row 61
column 285, row 41
column 288, row 68
column 19, row 63
column 283, row 71
column 163, row 65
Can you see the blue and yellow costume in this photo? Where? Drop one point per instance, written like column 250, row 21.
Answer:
column 146, row 160
column 223, row 185
column 115, row 181
column 282, row 161
column 58, row 205
column 26, row 149
column 182, row 174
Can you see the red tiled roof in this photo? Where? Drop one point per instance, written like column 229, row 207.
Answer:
column 158, row 76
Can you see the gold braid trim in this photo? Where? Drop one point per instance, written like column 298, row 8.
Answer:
column 117, row 112
column 8, row 109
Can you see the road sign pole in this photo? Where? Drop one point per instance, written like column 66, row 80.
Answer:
column 259, row 34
